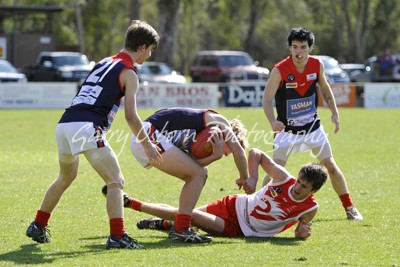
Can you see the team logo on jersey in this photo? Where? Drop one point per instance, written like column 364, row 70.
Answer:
column 311, row 77
column 279, row 190
column 291, row 77
column 291, row 85
column 273, row 192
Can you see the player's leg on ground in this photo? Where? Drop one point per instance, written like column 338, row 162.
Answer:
column 201, row 219
column 210, row 223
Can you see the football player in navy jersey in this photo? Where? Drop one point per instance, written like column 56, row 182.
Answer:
column 173, row 129
column 293, row 85
column 82, row 128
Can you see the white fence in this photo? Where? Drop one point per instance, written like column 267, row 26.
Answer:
column 196, row 95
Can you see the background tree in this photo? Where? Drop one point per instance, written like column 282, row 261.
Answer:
column 135, row 9
column 350, row 31
column 168, row 30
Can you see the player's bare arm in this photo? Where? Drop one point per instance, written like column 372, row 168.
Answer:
column 303, row 229
column 130, row 81
column 328, row 97
column 268, row 97
column 239, row 154
column 277, row 172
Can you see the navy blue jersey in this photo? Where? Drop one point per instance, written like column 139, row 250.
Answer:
column 172, row 119
column 100, row 95
column 180, row 125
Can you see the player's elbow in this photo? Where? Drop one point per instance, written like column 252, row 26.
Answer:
column 302, row 234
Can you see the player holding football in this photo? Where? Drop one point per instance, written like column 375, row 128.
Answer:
column 293, row 84
column 82, row 128
column 271, row 210
column 172, row 130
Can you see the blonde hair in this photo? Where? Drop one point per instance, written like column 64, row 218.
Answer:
column 240, row 131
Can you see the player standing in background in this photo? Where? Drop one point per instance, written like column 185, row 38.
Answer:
column 82, row 129
column 293, row 84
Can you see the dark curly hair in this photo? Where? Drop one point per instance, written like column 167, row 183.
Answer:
column 301, row 34
column 314, row 174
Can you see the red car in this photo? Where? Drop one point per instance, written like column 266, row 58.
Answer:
column 226, row 66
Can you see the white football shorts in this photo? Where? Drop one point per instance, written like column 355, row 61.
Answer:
column 137, row 150
column 76, row 137
column 316, row 141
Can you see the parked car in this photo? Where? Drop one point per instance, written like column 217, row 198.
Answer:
column 372, row 72
column 59, row 66
column 352, row 67
column 357, row 72
column 226, row 66
column 334, row 73
column 8, row 73
column 159, row 72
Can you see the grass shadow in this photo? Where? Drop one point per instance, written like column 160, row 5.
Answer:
column 282, row 241
column 161, row 241
column 33, row 254
column 330, row 220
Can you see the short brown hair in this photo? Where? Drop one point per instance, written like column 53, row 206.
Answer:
column 140, row 33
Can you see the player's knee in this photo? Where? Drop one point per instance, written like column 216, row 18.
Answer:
column 116, row 184
column 254, row 153
column 205, row 174
column 202, row 175
column 67, row 174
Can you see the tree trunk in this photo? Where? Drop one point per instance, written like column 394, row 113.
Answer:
column 361, row 33
column 78, row 14
column 253, row 19
column 338, row 26
column 168, row 30
column 134, row 9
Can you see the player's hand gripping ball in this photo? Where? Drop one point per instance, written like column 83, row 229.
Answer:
column 201, row 146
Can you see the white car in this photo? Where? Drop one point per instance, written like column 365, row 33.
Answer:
column 8, row 73
column 333, row 71
column 158, row 72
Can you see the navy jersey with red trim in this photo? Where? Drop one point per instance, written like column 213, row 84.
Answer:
column 100, row 95
column 180, row 124
column 172, row 119
column 296, row 98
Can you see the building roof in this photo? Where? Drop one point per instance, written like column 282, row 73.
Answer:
column 8, row 11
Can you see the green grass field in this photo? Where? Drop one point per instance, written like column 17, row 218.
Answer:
column 366, row 149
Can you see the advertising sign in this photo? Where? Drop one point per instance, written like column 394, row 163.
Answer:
column 345, row 95
column 382, row 95
column 243, row 94
column 161, row 95
column 37, row 95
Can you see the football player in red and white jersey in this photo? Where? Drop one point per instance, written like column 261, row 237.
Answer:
column 277, row 206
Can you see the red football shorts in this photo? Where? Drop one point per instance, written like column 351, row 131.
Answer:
column 225, row 209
